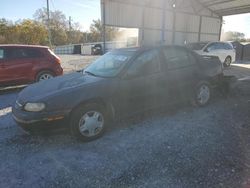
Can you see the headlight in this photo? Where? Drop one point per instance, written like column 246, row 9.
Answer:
column 34, row 107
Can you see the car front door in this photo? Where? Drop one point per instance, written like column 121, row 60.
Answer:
column 182, row 72
column 142, row 86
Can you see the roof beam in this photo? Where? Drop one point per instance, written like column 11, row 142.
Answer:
column 218, row 2
column 203, row 7
column 234, row 10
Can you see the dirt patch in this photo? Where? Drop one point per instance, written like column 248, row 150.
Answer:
column 72, row 63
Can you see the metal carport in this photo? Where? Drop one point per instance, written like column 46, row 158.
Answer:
column 227, row 7
column 172, row 21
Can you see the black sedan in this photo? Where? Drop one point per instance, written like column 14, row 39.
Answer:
column 117, row 84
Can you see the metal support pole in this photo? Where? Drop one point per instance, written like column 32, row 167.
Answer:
column 142, row 32
column 174, row 28
column 199, row 34
column 49, row 33
column 70, row 30
column 163, row 22
column 221, row 23
column 103, row 26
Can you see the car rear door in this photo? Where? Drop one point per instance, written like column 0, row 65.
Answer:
column 182, row 71
column 142, row 86
column 229, row 51
column 18, row 65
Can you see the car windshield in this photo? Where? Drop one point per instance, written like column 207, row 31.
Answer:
column 110, row 64
column 197, row 46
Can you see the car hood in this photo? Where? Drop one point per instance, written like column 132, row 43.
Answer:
column 53, row 86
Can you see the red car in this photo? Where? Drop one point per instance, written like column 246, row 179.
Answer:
column 23, row 64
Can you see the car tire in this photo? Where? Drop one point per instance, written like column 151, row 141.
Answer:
column 44, row 75
column 88, row 122
column 227, row 61
column 201, row 94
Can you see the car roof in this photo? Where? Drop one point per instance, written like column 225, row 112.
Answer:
column 22, row 45
column 145, row 48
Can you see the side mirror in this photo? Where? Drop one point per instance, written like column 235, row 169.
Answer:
column 206, row 50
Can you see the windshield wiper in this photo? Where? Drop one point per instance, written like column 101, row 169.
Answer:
column 90, row 73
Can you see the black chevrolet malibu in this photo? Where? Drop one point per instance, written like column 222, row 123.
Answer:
column 117, row 84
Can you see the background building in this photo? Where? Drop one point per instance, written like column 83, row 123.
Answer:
column 171, row 21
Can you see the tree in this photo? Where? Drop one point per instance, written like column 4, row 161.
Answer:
column 57, row 24
column 32, row 32
column 23, row 31
column 233, row 36
column 6, row 31
column 74, row 34
column 96, row 32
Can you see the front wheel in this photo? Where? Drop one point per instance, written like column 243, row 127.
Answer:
column 88, row 122
column 227, row 62
column 202, row 94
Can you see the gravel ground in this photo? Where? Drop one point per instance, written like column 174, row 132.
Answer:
column 75, row 62
column 179, row 147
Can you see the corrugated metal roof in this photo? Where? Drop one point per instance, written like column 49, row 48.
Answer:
column 226, row 7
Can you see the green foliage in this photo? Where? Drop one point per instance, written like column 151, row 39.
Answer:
column 233, row 36
column 96, row 32
column 24, row 32
column 36, row 31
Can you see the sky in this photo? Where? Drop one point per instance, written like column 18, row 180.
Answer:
column 240, row 23
column 84, row 11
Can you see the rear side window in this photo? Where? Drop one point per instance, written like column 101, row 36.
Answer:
column 214, row 46
column 177, row 58
column 18, row 53
column 227, row 46
column 33, row 53
column 1, row 53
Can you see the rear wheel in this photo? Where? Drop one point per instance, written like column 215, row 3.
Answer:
column 44, row 75
column 227, row 61
column 202, row 94
column 88, row 122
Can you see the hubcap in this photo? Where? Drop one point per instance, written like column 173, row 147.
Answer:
column 228, row 61
column 91, row 123
column 203, row 94
column 45, row 77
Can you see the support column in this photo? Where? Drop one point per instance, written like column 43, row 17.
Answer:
column 174, row 27
column 103, row 25
column 199, row 34
column 163, row 22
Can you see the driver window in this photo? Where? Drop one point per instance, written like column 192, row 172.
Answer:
column 147, row 63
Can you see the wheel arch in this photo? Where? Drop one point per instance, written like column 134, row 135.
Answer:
column 108, row 107
column 37, row 72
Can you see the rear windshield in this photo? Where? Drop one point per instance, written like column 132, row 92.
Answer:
column 197, row 46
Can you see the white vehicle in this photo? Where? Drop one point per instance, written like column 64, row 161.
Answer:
column 224, row 50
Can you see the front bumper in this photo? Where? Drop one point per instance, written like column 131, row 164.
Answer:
column 27, row 119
